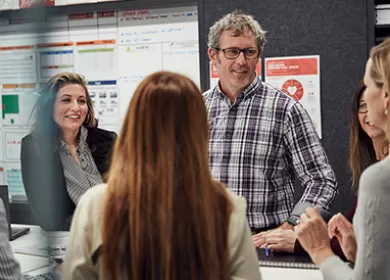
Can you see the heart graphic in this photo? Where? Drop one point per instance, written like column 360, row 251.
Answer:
column 292, row 90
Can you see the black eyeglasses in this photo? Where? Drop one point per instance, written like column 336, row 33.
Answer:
column 363, row 108
column 232, row 53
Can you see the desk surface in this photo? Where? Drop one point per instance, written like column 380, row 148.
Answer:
column 31, row 264
column 34, row 265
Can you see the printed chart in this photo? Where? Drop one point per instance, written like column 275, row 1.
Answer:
column 298, row 77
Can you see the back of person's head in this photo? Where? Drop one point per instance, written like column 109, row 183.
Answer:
column 164, row 217
column 44, row 125
column 380, row 68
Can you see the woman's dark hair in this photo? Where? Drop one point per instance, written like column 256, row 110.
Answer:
column 361, row 150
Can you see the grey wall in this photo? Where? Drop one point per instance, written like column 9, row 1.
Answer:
column 337, row 31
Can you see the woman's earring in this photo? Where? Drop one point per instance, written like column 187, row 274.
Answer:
column 386, row 111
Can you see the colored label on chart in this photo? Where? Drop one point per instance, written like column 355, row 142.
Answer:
column 298, row 66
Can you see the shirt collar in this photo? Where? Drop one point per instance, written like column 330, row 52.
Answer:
column 82, row 139
column 248, row 91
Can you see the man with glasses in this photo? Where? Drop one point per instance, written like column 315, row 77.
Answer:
column 260, row 138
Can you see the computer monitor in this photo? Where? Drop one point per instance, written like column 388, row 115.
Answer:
column 13, row 232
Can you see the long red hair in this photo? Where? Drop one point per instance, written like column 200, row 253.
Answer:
column 165, row 217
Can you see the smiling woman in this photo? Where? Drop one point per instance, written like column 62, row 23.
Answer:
column 65, row 154
column 70, row 108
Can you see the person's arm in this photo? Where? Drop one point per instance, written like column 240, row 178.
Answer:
column 38, row 176
column 334, row 245
column 310, row 162
column 333, row 268
column 9, row 266
column 332, row 264
column 334, row 242
column 371, row 231
column 78, row 264
column 244, row 263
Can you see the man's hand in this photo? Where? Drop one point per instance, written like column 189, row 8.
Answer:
column 277, row 239
column 340, row 227
column 259, row 239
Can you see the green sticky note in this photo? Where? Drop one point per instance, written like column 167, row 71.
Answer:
column 10, row 104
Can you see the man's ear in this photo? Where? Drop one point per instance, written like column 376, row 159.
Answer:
column 212, row 53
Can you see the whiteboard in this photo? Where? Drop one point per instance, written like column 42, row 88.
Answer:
column 114, row 50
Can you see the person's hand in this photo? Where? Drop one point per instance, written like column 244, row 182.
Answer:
column 258, row 239
column 312, row 233
column 278, row 240
column 340, row 227
column 285, row 226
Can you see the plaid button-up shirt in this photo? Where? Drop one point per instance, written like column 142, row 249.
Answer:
column 259, row 144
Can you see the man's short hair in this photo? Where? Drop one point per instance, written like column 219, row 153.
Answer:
column 237, row 21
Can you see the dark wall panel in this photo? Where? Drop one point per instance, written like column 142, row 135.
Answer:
column 337, row 31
